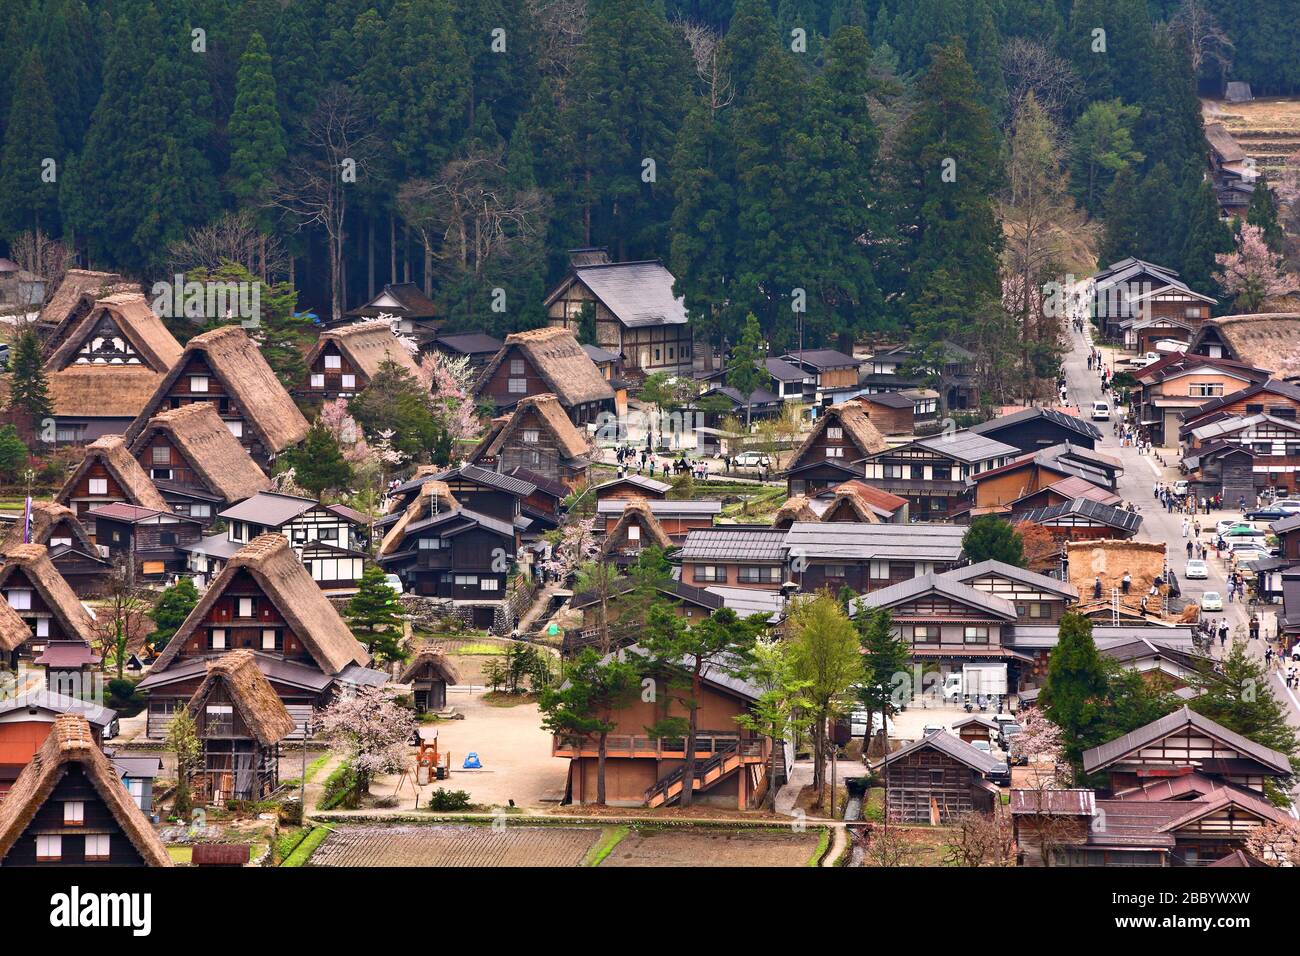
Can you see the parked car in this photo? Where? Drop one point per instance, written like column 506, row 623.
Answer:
column 1271, row 512
column 1211, row 601
column 394, row 582
column 751, row 459
column 1100, row 412
column 1005, row 733
column 983, row 745
column 1001, row 774
column 1196, row 570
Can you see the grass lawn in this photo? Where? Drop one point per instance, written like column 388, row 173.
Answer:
column 303, row 851
column 610, row 837
column 481, row 648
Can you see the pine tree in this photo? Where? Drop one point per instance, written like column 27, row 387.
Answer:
column 752, row 34
column 173, row 607
column 13, row 452
column 376, row 611
column 1075, row 692
column 1123, row 232
column 1103, row 146
column 318, row 463
column 296, row 65
column 29, row 199
column 1203, row 233
column 1262, row 213
column 885, row 655
column 71, row 51
column 28, row 387
column 256, row 135
column 990, row 538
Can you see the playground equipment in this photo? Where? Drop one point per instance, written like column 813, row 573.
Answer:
column 430, row 763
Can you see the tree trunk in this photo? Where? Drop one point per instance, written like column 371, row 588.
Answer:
column 392, row 247
column 370, row 257
column 688, row 768
column 771, row 775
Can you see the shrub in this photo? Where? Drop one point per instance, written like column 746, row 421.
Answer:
column 444, row 801
column 341, row 789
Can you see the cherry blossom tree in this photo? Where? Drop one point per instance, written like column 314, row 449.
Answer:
column 345, row 430
column 576, row 546
column 371, row 730
column 1253, row 272
column 1039, row 742
column 450, row 381
column 1277, row 844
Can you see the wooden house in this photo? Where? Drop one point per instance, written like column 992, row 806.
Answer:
column 1059, row 492
column 637, row 315
column 225, row 367
column 1046, row 822
column 544, row 505
column 441, row 548
column 1260, row 340
column 636, row 529
column 975, row 728
column 758, row 405
column 108, row 474
column 951, row 369
column 265, row 601
column 884, row 506
column 938, row 778
column 600, row 614
column 195, row 462
column 406, row 307
column 138, row 775
column 475, row 347
column 742, row 556
column 1133, row 289
column 633, row 486
column 148, row 541
column 641, row 770
column 868, row 557
column 71, row 549
column 835, row 373
column 1231, row 171
column 27, row 718
column 1226, row 468
column 841, row 435
column 893, row 413
column 329, row 540
column 1179, row 385
column 1037, row 598
column 537, row 436
column 846, row 504
column 429, row 672
column 239, row 721
column 74, row 296
column 68, row 808
column 547, row 361
column 1082, row 520
column 935, row 474
column 19, row 289
column 43, row 600
column 106, row 368
column 1033, row 429
column 345, row 359
column 676, row 517
column 789, row 381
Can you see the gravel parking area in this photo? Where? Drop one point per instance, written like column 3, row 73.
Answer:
column 455, row 845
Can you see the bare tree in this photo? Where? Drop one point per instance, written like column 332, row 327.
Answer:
column 42, row 256
column 705, row 44
column 121, row 620
column 1031, row 67
column 1205, row 38
column 981, row 839
column 339, row 145
column 234, row 237
column 561, row 28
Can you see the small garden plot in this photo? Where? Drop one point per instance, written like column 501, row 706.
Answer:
column 456, row 845
column 708, row 847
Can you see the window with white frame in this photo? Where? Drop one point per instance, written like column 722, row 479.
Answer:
column 49, row 846
column 880, row 570
column 162, row 455
column 531, row 435
column 489, row 584
column 333, row 362
column 42, row 627
column 245, row 607
column 633, row 532
column 270, row 639
column 711, row 572
column 834, row 432
column 200, row 511
column 516, row 366
column 467, row 580
column 348, row 382
column 236, row 428
column 836, row 451
column 97, row 847
column 925, row 634
column 317, row 380
column 20, row 599
column 74, row 813
column 517, row 386
column 977, row 635
column 98, row 486
column 198, row 383
column 217, row 639
column 430, row 544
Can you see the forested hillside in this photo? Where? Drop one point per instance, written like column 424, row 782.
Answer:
column 858, row 159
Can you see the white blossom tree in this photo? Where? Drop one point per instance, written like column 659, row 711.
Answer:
column 1252, row 273
column 371, row 730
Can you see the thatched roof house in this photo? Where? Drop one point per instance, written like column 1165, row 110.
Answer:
column 49, row 520
column 636, row 528
column 429, row 655
column 544, row 360
column 432, row 498
column 249, row 692
column 268, row 417
column 364, row 346
column 1267, row 341
column 537, row 436
column 70, row 759
column 795, row 508
column 848, row 505
column 29, row 566
column 218, row 463
column 108, row 457
column 857, row 435
column 14, row 632
column 296, row 597
column 1110, row 559
column 76, row 282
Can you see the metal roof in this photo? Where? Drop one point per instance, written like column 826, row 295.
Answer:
column 469, row 343
column 784, row 371
column 1013, row 573
column 821, row 358
column 637, row 481
column 953, row 747
column 58, row 703
column 1098, row 758
column 638, row 293
column 1094, row 510
column 1072, row 422
column 493, row 479
column 747, row 601
column 269, row 508
column 733, row 543
column 939, row 584
column 967, row 446
column 857, row 542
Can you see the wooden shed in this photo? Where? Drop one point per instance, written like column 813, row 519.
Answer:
column 429, row 673
column 938, row 778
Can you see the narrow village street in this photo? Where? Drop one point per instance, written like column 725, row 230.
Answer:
column 1136, row 484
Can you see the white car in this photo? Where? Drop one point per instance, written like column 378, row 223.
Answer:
column 1100, row 412
column 750, row 459
column 1227, row 523
column 394, row 582
column 1196, row 570
column 1180, row 488
column 1288, row 504
column 1211, row 601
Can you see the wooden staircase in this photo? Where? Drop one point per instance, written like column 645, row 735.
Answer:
column 707, row 772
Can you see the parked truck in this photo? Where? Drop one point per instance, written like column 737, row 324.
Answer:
column 976, row 680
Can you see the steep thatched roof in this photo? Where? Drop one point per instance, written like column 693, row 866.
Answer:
column 130, row 312
column 251, row 694
column 14, row 631
column 64, row 300
column 34, row 560
column 572, row 442
column 434, row 497
column 432, row 655
column 796, row 508
column 636, row 512
column 277, row 570
column 69, row 743
column 1109, row 559
column 46, row 516
column 848, row 505
column 102, row 391
column 367, row 345
column 564, row 366
column 1267, row 341
column 858, row 428
column 198, row 432
column 237, row 363
column 111, row 451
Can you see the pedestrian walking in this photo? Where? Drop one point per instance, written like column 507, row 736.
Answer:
column 1184, row 527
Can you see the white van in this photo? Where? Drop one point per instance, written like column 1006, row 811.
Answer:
column 1100, row 412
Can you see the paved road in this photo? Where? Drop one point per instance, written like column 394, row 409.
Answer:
column 1140, row 474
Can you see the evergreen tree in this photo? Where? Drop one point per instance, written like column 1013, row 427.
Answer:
column 1103, row 146
column 29, row 198
column 70, row 48
column 745, row 368
column 281, row 334
column 28, row 386
column 751, row 35
column 885, row 656
column 296, row 65
column 1262, row 213
column 13, row 453
column 256, row 135
column 1123, row 233
column 1203, row 233
column 1074, row 695
column 376, row 612
column 989, row 538
column 318, row 463
column 949, row 172
column 173, row 607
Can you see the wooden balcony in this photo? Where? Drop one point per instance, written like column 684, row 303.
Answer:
column 707, row 743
